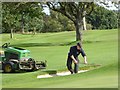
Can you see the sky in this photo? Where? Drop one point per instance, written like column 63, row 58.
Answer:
column 46, row 10
column 110, row 4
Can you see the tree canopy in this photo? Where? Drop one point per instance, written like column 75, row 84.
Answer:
column 75, row 11
column 102, row 18
column 21, row 15
column 64, row 16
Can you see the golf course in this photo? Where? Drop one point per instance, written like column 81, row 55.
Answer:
column 100, row 46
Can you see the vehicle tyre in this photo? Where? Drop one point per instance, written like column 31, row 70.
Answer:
column 32, row 64
column 8, row 67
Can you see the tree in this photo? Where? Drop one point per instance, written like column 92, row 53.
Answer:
column 21, row 16
column 0, row 18
column 9, row 19
column 31, row 11
column 56, row 22
column 102, row 18
column 35, row 24
column 119, row 18
column 64, row 21
column 75, row 11
column 51, row 24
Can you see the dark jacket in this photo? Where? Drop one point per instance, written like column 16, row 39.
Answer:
column 73, row 51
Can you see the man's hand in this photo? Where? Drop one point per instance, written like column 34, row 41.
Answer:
column 85, row 60
column 74, row 60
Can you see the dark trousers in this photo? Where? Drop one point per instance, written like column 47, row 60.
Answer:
column 69, row 66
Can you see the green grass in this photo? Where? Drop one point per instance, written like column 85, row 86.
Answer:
column 101, row 47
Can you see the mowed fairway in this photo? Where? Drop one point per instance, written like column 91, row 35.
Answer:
column 101, row 47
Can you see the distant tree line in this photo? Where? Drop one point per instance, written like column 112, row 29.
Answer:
column 102, row 18
column 56, row 22
column 29, row 17
column 21, row 17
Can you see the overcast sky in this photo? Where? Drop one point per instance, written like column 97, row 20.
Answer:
column 110, row 4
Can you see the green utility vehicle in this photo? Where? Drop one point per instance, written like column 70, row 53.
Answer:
column 15, row 59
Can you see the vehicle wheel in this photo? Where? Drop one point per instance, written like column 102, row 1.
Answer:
column 8, row 67
column 32, row 65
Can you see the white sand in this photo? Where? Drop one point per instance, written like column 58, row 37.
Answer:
column 59, row 74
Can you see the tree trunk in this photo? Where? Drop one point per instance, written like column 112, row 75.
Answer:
column 34, row 31
column 84, row 24
column 11, row 34
column 23, row 30
column 79, row 27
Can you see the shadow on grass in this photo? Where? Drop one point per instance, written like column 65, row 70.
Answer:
column 51, row 44
column 86, row 42
column 43, row 44
column 50, row 71
column 19, row 72
column 90, row 66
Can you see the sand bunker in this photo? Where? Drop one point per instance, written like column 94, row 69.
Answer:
column 59, row 74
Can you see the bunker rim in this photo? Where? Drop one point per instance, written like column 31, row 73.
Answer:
column 64, row 73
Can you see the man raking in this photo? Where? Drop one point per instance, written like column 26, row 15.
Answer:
column 73, row 57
